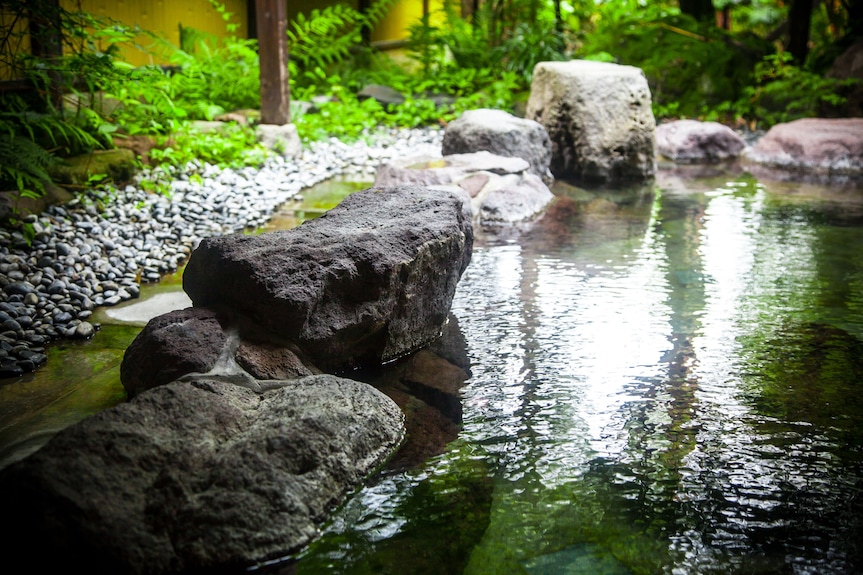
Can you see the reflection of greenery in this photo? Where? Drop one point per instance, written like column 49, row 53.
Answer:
column 811, row 372
column 608, row 512
column 445, row 513
column 80, row 379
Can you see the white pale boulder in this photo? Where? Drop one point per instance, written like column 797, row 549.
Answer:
column 599, row 118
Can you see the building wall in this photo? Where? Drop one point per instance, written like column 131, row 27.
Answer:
column 17, row 41
column 164, row 18
column 392, row 28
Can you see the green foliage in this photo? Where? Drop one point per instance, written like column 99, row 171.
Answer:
column 699, row 70
column 32, row 142
column 212, row 81
column 144, row 100
column 783, row 92
column 231, row 146
column 38, row 127
column 491, row 40
column 429, row 100
column 694, row 69
column 23, row 165
column 691, row 67
column 329, row 35
column 205, row 81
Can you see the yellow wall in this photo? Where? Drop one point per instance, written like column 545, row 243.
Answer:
column 19, row 40
column 395, row 24
column 164, row 17
column 400, row 18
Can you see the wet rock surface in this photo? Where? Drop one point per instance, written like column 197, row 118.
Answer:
column 368, row 282
column 172, row 345
column 502, row 134
column 199, row 476
column 220, row 460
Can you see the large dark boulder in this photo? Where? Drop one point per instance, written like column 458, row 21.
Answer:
column 195, row 477
column 191, row 342
column 369, row 281
column 502, row 134
column 599, row 118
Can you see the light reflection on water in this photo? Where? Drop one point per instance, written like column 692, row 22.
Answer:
column 660, row 384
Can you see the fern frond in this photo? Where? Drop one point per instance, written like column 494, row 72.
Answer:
column 24, row 164
column 377, row 12
column 327, row 35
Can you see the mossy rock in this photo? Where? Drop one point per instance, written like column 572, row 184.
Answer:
column 118, row 164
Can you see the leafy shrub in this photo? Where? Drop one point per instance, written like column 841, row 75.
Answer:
column 230, row 146
column 691, row 67
column 23, row 165
column 491, row 41
column 211, row 81
column 327, row 37
column 783, row 92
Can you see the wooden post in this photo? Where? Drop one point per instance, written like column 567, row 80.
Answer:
column 272, row 22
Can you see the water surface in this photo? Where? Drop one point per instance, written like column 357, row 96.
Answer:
column 663, row 380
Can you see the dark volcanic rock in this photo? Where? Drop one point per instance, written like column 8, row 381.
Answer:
column 367, row 282
column 267, row 361
column 196, row 477
column 170, row 346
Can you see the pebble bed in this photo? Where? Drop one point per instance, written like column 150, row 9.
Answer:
column 97, row 249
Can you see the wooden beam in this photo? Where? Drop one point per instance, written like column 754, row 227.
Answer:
column 272, row 22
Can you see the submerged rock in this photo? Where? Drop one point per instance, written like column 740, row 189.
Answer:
column 196, row 477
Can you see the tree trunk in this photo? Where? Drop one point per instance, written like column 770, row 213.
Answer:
column 855, row 18
column 366, row 31
column 701, row 10
column 272, row 23
column 46, row 42
column 558, row 16
column 799, row 20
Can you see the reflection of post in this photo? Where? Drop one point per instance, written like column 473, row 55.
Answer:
column 272, row 22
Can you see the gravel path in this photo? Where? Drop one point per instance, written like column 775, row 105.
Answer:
column 96, row 250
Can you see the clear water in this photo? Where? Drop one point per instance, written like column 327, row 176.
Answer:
column 662, row 381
